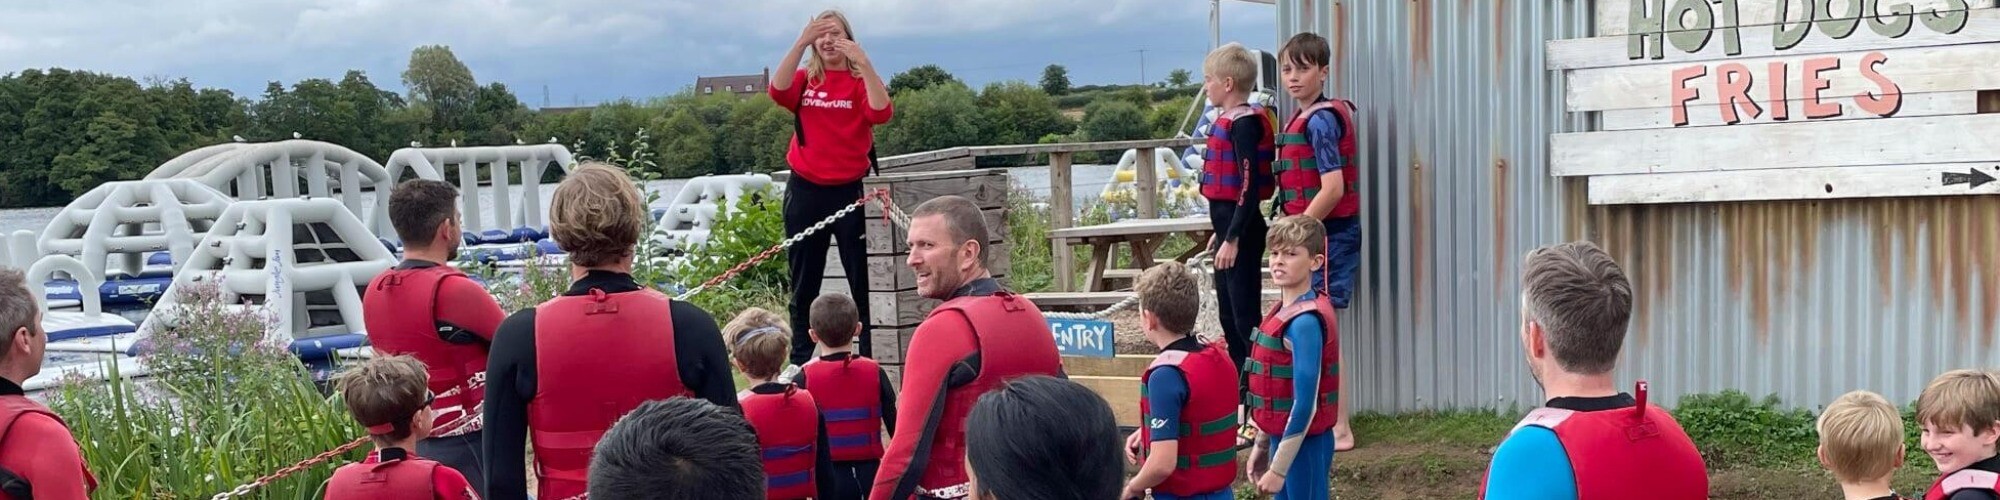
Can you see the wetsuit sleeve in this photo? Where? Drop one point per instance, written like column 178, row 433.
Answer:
column 471, row 308
column 1530, row 465
column 823, row 483
column 1245, row 136
column 57, row 470
column 888, row 403
column 1326, row 131
column 1166, row 395
column 1973, row 495
column 704, row 363
column 1305, row 335
column 448, row 484
column 945, row 341
column 510, row 382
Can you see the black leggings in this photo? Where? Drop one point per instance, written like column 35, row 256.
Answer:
column 806, row 204
column 1239, row 290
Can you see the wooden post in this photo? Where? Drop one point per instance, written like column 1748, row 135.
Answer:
column 1147, row 183
column 1061, row 215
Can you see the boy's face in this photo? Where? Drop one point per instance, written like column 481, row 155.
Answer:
column 1955, row 448
column 1303, row 81
column 1292, row 266
column 1216, row 87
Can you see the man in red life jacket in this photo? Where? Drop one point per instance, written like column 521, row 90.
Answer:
column 980, row 337
column 568, row 368
column 428, row 310
column 387, row 395
column 1188, row 397
column 1589, row 441
column 37, row 454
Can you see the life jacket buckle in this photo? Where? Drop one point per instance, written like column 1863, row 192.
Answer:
column 600, row 303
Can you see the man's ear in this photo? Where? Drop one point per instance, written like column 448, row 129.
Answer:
column 1537, row 341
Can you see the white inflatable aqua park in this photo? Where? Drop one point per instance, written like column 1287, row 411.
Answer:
column 686, row 222
column 1179, row 184
column 510, row 230
column 133, row 235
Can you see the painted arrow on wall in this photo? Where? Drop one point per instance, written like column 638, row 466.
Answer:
column 1974, row 177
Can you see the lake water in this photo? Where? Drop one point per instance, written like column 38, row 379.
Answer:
column 1088, row 182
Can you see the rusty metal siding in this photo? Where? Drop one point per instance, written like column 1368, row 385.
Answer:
column 1805, row 300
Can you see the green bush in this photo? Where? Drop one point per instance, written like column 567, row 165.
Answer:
column 1028, row 219
column 1732, row 430
column 1165, row 118
column 938, row 117
column 754, row 225
column 1112, row 120
column 223, row 407
column 1017, row 113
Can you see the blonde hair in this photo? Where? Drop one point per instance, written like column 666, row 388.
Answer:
column 386, row 390
column 1860, row 437
column 759, row 341
column 1961, row 398
column 1234, row 62
column 1170, row 293
column 1297, row 231
column 595, row 214
column 815, row 68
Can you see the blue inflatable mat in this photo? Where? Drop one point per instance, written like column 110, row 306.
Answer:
column 70, row 325
column 324, row 346
column 115, row 291
column 497, row 236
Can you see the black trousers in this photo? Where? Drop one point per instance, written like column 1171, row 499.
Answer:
column 806, row 204
column 1239, row 290
column 851, row 480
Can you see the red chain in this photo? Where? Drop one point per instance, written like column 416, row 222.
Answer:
column 308, row 463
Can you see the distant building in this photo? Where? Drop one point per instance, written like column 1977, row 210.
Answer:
column 733, row 84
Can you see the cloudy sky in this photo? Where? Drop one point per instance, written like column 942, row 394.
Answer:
column 588, row 51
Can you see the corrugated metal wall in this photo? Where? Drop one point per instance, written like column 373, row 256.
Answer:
column 1805, row 300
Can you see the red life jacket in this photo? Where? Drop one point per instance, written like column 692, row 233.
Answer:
column 1221, row 176
column 1013, row 340
column 400, row 310
column 1967, row 478
column 597, row 356
column 1637, row 452
column 787, row 426
column 12, row 408
column 849, row 393
column 1270, row 367
column 1297, row 168
column 1207, row 453
column 406, row 478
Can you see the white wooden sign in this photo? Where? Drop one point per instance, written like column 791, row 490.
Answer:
column 1734, row 100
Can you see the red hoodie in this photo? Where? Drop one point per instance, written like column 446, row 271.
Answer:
column 838, row 126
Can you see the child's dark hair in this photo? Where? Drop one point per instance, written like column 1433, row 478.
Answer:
column 1307, row 49
column 1022, row 450
column 834, row 319
column 679, row 448
column 384, row 393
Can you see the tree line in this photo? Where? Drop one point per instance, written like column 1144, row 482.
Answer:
column 63, row 132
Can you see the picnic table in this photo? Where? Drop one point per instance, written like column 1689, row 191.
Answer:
column 1143, row 236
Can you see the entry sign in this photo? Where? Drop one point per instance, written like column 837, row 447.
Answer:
column 1088, row 338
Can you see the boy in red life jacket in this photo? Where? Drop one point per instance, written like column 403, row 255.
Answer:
column 1861, row 443
column 855, row 398
column 1235, row 177
column 1317, row 177
column 1188, row 401
column 388, row 395
column 1588, row 441
column 790, row 432
column 1294, row 380
column 1960, row 415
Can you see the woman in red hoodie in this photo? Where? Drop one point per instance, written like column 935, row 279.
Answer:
column 837, row 99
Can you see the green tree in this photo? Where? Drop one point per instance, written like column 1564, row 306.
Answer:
column 1055, row 80
column 1179, row 77
column 497, row 117
column 438, row 80
column 939, row 117
column 1113, row 120
column 1165, row 119
column 686, row 146
column 919, row 78
column 1018, row 113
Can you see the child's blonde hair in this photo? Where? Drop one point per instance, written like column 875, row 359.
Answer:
column 1297, row 231
column 1860, row 437
column 384, row 393
column 815, row 68
column 1961, row 398
column 759, row 341
column 1234, row 62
